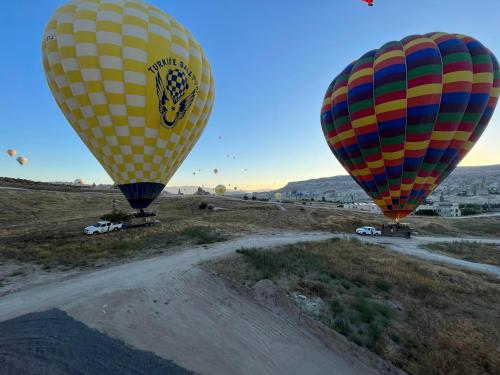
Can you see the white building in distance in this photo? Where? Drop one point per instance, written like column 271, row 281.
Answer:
column 367, row 207
column 445, row 209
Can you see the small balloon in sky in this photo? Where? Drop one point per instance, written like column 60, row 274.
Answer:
column 79, row 181
column 11, row 152
column 220, row 190
column 220, row 137
column 194, row 173
column 216, row 171
column 368, row 2
column 22, row 160
column 235, row 188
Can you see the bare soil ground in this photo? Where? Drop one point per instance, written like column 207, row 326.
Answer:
column 173, row 308
column 41, row 230
column 424, row 318
column 471, row 251
column 178, row 311
column 418, row 246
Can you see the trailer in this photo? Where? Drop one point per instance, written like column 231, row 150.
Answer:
column 140, row 219
column 396, row 230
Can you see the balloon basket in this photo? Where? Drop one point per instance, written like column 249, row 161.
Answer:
column 396, row 229
column 142, row 213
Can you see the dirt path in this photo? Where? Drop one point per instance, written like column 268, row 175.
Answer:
column 169, row 306
column 413, row 247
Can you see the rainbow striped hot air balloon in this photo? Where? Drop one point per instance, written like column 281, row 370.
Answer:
column 400, row 118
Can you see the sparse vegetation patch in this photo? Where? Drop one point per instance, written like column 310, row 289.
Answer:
column 425, row 318
column 478, row 252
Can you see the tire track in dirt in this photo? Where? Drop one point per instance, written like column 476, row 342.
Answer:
column 169, row 306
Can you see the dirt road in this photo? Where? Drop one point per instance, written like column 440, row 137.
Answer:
column 413, row 247
column 169, row 306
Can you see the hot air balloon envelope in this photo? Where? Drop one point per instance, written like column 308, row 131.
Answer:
column 11, row 152
column 401, row 117
column 277, row 196
column 220, row 190
column 22, row 160
column 134, row 84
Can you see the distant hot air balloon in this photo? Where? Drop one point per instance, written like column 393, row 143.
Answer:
column 235, row 188
column 277, row 196
column 368, row 2
column 22, row 160
column 11, row 152
column 79, row 181
column 220, row 190
column 134, row 84
column 400, row 118
column 216, row 171
column 194, row 173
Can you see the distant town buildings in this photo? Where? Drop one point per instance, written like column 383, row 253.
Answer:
column 442, row 208
column 367, row 207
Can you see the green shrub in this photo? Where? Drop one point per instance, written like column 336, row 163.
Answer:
column 116, row 216
column 383, row 285
column 426, row 212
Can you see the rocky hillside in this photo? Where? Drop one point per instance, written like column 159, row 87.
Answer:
column 464, row 181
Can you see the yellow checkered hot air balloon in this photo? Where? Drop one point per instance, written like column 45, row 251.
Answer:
column 134, row 84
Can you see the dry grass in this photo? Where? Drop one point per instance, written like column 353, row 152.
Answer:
column 62, row 251
column 426, row 319
column 478, row 252
column 45, row 227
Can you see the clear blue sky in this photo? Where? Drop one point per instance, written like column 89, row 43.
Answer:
column 272, row 60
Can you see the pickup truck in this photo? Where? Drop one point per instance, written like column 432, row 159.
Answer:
column 368, row 231
column 102, row 227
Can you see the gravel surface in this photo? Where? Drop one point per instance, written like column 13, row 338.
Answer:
column 51, row 342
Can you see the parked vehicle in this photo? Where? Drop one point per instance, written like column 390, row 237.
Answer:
column 140, row 219
column 102, row 226
column 368, row 231
column 397, row 230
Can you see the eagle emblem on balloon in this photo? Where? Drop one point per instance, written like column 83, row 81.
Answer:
column 173, row 98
